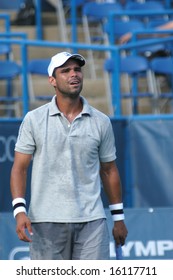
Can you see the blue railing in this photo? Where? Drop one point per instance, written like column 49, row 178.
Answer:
column 39, row 26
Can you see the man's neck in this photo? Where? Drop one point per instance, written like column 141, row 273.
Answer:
column 70, row 107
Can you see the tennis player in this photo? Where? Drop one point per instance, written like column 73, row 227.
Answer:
column 73, row 150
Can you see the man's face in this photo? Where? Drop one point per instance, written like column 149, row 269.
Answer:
column 68, row 79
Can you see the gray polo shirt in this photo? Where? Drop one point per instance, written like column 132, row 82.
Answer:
column 65, row 183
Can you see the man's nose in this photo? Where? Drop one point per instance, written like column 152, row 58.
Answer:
column 73, row 72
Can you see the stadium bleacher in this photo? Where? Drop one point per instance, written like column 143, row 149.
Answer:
column 52, row 32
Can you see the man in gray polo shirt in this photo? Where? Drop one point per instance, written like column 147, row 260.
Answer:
column 73, row 150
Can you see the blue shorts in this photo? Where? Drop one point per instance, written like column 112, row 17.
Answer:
column 70, row 241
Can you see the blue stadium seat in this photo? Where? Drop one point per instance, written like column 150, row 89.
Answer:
column 120, row 28
column 10, row 5
column 154, row 6
column 5, row 49
column 10, row 70
column 94, row 14
column 148, row 5
column 134, row 67
column 133, row 26
column 37, row 67
column 163, row 67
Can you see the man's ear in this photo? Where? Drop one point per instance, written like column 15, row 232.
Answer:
column 52, row 81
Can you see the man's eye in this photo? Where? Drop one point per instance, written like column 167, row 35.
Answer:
column 65, row 70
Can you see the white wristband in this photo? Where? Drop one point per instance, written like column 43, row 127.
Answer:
column 117, row 211
column 19, row 205
column 18, row 200
column 19, row 210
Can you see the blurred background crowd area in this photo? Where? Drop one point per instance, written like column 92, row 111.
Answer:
column 142, row 89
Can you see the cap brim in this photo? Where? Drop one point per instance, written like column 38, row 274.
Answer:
column 80, row 59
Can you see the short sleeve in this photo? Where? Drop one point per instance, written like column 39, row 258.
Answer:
column 25, row 140
column 107, row 151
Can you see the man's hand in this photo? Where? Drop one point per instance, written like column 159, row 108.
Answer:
column 23, row 224
column 119, row 232
column 125, row 38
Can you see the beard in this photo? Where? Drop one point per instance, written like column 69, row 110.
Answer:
column 73, row 94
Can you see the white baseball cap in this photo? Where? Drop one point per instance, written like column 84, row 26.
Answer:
column 60, row 58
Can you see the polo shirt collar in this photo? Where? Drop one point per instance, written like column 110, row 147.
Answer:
column 53, row 109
